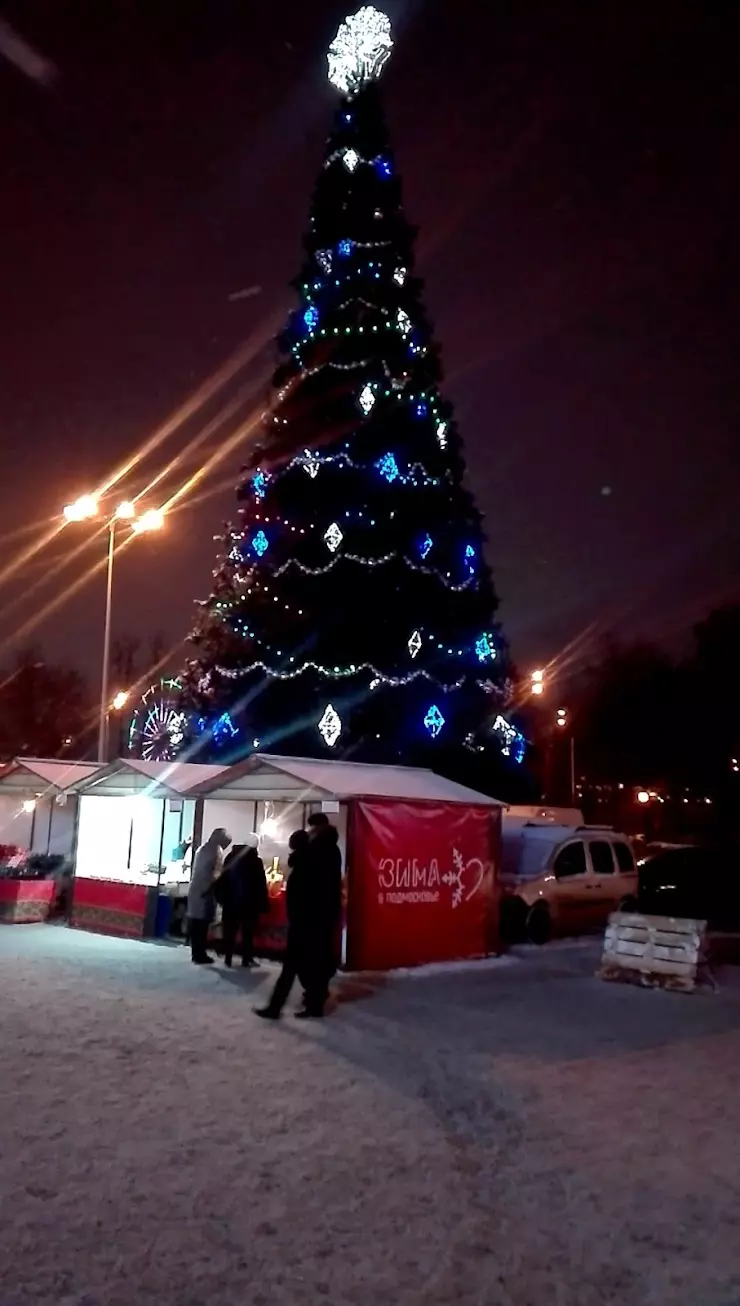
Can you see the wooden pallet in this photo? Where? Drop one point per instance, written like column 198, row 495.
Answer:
column 656, row 951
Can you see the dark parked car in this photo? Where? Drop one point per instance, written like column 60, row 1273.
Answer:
column 703, row 883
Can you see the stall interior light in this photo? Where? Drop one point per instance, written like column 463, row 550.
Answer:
column 29, row 805
column 268, row 827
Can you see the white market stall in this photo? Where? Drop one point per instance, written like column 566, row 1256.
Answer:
column 38, row 817
column 421, row 853
column 136, row 823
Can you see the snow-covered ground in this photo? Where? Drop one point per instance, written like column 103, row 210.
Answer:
column 522, row 1135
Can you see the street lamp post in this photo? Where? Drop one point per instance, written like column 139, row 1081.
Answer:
column 562, row 722
column 84, row 509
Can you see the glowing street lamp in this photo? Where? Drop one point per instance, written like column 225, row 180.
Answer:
column 119, row 700
column 82, row 509
column 86, row 508
column 643, row 796
column 562, row 717
column 537, row 682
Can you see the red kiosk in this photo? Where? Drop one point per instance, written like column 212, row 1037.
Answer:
column 421, row 853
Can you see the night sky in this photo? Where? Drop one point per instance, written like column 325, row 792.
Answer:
column 574, row 171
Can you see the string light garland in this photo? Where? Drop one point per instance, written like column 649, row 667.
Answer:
column 374, row 562
column 341, row 673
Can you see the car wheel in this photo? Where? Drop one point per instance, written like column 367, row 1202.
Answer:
column 539, row 924
column 629, row 904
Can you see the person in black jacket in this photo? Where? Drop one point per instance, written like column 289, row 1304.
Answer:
column 314, row 908
column 242, row 892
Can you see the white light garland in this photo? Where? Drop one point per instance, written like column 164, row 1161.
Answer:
column 470, row 580
column 359, row 50
column 341, row 673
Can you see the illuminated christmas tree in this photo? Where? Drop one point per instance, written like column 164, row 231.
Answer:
column 353, row 610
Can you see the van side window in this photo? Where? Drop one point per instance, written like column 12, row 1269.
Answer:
column 571, row 860
column 625, row 860
column 601, row 858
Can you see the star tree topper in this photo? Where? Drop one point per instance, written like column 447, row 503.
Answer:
column 359, row 50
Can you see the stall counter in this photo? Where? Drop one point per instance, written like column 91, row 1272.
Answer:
column 112, row 907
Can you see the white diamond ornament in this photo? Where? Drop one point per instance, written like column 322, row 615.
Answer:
column 333, row 537
column 366, row 399
column 414, row 644
column 350, row 159
column 330, row 726
column 361, row 47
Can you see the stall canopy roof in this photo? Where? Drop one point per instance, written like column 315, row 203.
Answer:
column 305, row 779
column 128, row 777
column 24, row 774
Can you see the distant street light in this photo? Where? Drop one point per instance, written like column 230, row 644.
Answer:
column 120, row 700
column 561, row 721
column 643, row 796
column 87, row 508
column 537, row 681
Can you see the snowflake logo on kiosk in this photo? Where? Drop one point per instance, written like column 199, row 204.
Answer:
column 359, row 50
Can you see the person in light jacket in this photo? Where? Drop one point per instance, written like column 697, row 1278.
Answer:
column 207, row 865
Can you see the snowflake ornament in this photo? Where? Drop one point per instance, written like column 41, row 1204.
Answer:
column 359, row 50
column 454, row 879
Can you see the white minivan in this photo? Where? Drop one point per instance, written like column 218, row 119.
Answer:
column 560, row 876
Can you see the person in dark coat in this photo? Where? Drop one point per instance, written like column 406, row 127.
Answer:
column 242, row 892
column 314, row 908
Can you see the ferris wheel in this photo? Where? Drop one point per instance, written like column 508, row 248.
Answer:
column 158, row 725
